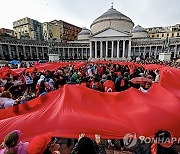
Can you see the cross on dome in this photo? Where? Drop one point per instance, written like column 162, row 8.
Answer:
column 112, row 5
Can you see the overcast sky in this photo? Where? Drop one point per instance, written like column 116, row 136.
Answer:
column 147, row 13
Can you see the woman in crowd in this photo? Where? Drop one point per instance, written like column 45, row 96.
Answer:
column 44, row 144
column 6, row 100
column 12, row 144
column 163, row 144
column 86, row 146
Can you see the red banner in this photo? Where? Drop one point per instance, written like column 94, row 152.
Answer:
column 75, row 109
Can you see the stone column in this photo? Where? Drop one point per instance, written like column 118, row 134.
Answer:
column 42, row 50
column 73, row 52
column 106, row 49
column 86, row 53
column 37, row 53
column 112, row 49
column 150, row 52
column 17, row 52
column 59, row 51
column 90, row 49
column 30, row 50
column 24, row 51
column 96, row 49
column 118, row 48
column 129, row 49
column 68, row 54
column 175, row 51
column 124, row 48
column 134, row 51
column 139, row 51
column 82, row 53
column 101, row 49
column 62, row 53
column 155, row 55
column 144, row 52
column 1, row 51
column 77, row 53
column 9, row 50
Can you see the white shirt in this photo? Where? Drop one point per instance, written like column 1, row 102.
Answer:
column 143, row 90
column 28, row 80
column 6, row 102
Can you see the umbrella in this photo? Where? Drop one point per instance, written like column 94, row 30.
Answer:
column 14, row 62
column 138, row 80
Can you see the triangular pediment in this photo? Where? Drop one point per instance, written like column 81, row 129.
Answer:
column 111, row 33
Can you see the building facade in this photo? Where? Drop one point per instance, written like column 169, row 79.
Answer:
column 4, row 31
column 28, row 28
column 60, row 31
column 112, row 36
column 164, row 32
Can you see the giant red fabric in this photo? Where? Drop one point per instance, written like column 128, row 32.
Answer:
column 5, row 70
column 153, row 66
column 75, row 109
column 19, row 70
column 54, row 66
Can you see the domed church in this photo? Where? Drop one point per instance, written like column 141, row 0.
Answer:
column 111, row 36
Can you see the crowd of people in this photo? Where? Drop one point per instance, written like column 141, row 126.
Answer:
column 108, row 77
column 103, row 77
column 47, row 144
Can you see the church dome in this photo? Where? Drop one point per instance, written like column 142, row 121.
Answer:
column 139, row 32
column 112, row 19
column 84, row 34
column 138, row 28
column 85, row 31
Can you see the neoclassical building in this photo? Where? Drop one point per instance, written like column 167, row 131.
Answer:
column 111, row 36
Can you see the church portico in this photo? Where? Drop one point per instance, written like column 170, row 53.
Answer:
column 110, row 48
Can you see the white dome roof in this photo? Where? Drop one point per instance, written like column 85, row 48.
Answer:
column 85, row 31
column 84, row 34
column 138, row 28
column 112, row 19
column 111, row 14
column 139, row 32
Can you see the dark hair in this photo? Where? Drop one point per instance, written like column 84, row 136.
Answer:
column 6, row 94
column 108, row 77
column 96, row 79
column 42, row 84
column 86, row 146
column 162, row 136
column 11, row 139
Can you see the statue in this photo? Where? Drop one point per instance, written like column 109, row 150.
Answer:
column 51, row 43
column 166, row 46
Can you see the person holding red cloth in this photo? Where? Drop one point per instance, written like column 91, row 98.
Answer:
column 109, row 85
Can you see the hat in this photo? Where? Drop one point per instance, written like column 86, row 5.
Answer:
column 39, row 144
